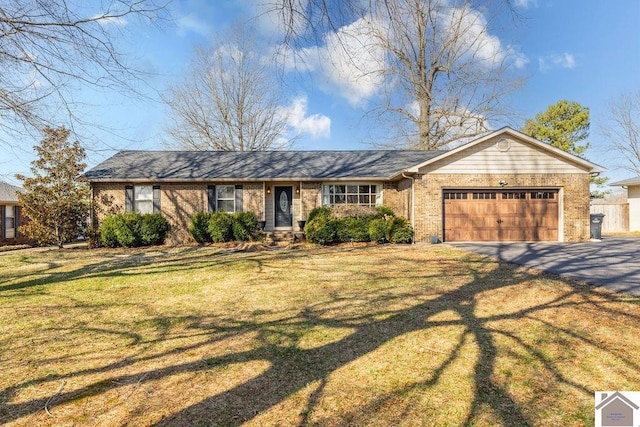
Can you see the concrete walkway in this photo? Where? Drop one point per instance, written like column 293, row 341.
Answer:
column 613, row 263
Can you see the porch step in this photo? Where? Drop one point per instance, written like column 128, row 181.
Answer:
column 283, row 237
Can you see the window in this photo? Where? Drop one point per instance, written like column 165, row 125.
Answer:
column 351, row 194
column 484, row 195
column 450, row 195
column 543, row 195
column 514, row 195
column 142, row 198
column 226, row 198
column 10, row 222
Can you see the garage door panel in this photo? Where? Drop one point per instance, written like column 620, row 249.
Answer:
column 496, row 215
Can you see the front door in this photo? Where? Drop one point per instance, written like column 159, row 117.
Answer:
column 284, row 206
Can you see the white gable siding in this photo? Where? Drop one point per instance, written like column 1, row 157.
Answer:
column 503, row 155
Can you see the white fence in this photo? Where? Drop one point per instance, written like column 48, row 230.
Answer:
column 616, row 216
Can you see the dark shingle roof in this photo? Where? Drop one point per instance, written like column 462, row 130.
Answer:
column 256, row 165
column 9, row 193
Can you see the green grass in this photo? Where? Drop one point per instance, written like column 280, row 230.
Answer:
column 386, row 335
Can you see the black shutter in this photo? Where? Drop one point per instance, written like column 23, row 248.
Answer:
column 3, row 221
column 238, row 194
column 16, row 212
column 211, row 198
column 156, row 199
column 128, row 198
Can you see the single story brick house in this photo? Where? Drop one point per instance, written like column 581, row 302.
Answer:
column 633, row 197
column 504, row 186
column 10, row 213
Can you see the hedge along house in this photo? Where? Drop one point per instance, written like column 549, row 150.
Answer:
column 504, row 186
column 10, row 213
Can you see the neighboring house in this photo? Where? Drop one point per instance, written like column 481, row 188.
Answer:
column 505, row 186
column 633, row 197
column 10, row 213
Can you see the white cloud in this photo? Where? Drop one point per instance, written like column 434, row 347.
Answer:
column 315, row 125
column 526, row 4
column 563, row 60
column 192, row 23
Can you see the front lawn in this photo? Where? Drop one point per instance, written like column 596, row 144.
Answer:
column 385, row 335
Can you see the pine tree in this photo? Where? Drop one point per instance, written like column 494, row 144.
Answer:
column 56, row 199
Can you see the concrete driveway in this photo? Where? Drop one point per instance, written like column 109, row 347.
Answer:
column 613, row 263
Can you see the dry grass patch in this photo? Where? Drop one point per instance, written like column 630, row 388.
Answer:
column 387, row 335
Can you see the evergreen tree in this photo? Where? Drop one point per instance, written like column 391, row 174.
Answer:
column 55, row 200
column 563, row 125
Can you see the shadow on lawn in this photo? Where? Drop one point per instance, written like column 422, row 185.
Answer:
column 293, row 368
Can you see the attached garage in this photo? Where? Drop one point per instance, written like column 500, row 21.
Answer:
column 500, row 215
column 505, row 186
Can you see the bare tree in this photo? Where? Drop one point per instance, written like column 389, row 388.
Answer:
column 50, row 48
column 444, row 76
column 229, row 99
column 622, row 129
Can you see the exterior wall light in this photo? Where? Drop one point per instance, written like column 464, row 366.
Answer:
column 502, row 183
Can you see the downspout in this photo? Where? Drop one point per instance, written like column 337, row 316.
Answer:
column 413, row 206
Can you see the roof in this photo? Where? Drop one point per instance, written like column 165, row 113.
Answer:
column 592, row 167
column 630, row 181
column 256, row 165
column 617, row 395
column 8, row 192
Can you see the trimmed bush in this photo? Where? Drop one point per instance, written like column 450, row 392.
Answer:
column 322, row 229
column 128, row 230
column 245, row 226
column 108, row 235
column 154, row 229
column 378, row 230
column 384, row 211
column 354, row 229
column 199, row 227
column 133, row 229
column 220, row 227
column 399, row 230
column 319, row 211
column 357, row 224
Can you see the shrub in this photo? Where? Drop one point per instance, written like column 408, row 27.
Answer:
column 399, row 230
column 133, row 229
column 199, row 227
column 128, row 229
column 354, row 229
column 319, row 211
column 220, row 227
column 153, row 229
column 322, row 229
column 378, row 230
column 245, row 226
column 108, row 235
column 384, row 211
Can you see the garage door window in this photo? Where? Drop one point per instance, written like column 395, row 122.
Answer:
column 454, row 196
column 543, row 195
column 514, row 195
column 484, row 196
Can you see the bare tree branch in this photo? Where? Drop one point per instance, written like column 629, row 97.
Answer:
column 229, row 100
column 50, row 48
column 622, row 129
column 441, row 74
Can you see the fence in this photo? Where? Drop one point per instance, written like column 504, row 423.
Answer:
column 616, row 216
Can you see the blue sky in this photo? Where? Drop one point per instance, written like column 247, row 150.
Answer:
column 580, row 50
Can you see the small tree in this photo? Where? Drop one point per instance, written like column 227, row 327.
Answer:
column 563, row 125
column 55, row 199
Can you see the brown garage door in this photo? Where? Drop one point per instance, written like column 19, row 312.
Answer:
column 498, row 215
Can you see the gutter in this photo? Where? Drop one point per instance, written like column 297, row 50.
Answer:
column 413, row 205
